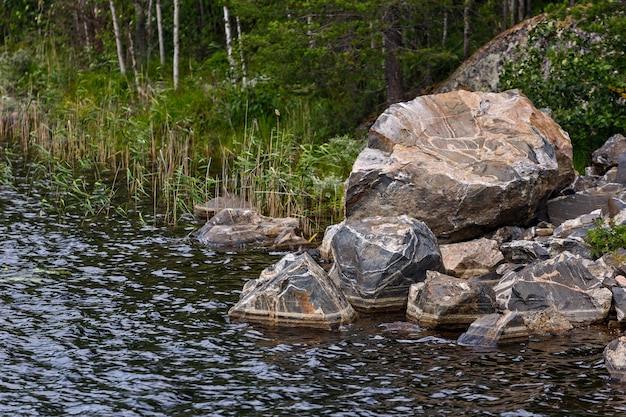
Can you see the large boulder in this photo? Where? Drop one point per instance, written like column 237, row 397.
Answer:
column 445, row 301
column 567, row 283
column 378, row 258
column 295, row 292
column 464, row 163
column 235, row 228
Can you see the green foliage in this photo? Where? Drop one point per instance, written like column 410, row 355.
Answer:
column 287, row 178
column 314, row 69
column 606, row 237
column 570, row 68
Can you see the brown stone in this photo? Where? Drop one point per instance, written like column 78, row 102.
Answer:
column 471, row 258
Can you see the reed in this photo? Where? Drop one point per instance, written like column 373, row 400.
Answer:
column 100, row 148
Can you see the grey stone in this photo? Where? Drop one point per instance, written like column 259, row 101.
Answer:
column 494, row 329
column 296, row 292
column 572, row 206
column 607, row 156
column 564, row 283
column 524, row 251
column 378, row 259
column 449, row 302
column 236, row 228
column 615, row 358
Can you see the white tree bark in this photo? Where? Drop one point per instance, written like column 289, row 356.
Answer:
column 118, row 38
column 160, row 32
column 133, row 61
column 176, row 42
column 244, row 80
column 229, row 41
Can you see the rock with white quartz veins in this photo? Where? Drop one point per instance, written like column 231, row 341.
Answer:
column 295, row 292
column 235, row 228
column 493, row 329
column 378, row 258
column 445, row 301
column 463, row 162
column 568, row 284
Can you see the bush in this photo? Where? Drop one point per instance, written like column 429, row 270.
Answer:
column 577, row 70
column 606, row 237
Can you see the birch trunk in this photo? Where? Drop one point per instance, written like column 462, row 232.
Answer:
column 160, row 33
column 444, row 30
column 229, row 40
column 244, row 80
column 118, row 38
column 133, row 61
column 505, row 15
column 176, row 40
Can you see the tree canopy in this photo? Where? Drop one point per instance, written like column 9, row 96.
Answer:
column 355, row 56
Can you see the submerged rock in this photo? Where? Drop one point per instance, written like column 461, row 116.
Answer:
column 496, row 328
column 378, row 258
column 296, row 292
column 463, row 163
column 445, row 301
column 235, row 228
column 615, row 358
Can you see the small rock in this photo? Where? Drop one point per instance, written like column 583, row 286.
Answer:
column 494, row 329
column 615, row 358
column 445, row 301
column 296, row 292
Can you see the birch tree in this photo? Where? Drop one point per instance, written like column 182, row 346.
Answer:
column 160, row 32
column 118, row 37
column 176, row 42
column 229, row 40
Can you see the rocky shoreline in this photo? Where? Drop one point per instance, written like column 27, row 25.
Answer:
column 464, row 212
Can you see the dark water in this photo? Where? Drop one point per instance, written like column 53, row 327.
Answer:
column 116, row 318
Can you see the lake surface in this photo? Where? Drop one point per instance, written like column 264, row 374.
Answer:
column 119, row 318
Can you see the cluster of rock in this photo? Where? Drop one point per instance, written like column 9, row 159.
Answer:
column 465, row 212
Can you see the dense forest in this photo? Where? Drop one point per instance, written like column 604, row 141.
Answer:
column 177, row 101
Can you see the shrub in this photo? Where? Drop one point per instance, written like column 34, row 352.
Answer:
column 606, row 237
column 577, row 70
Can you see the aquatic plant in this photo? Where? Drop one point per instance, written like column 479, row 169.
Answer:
column 606, row 237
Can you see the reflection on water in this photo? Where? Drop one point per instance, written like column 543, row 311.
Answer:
column 112, row 318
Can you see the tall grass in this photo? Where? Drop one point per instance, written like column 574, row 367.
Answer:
column 100, row 147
